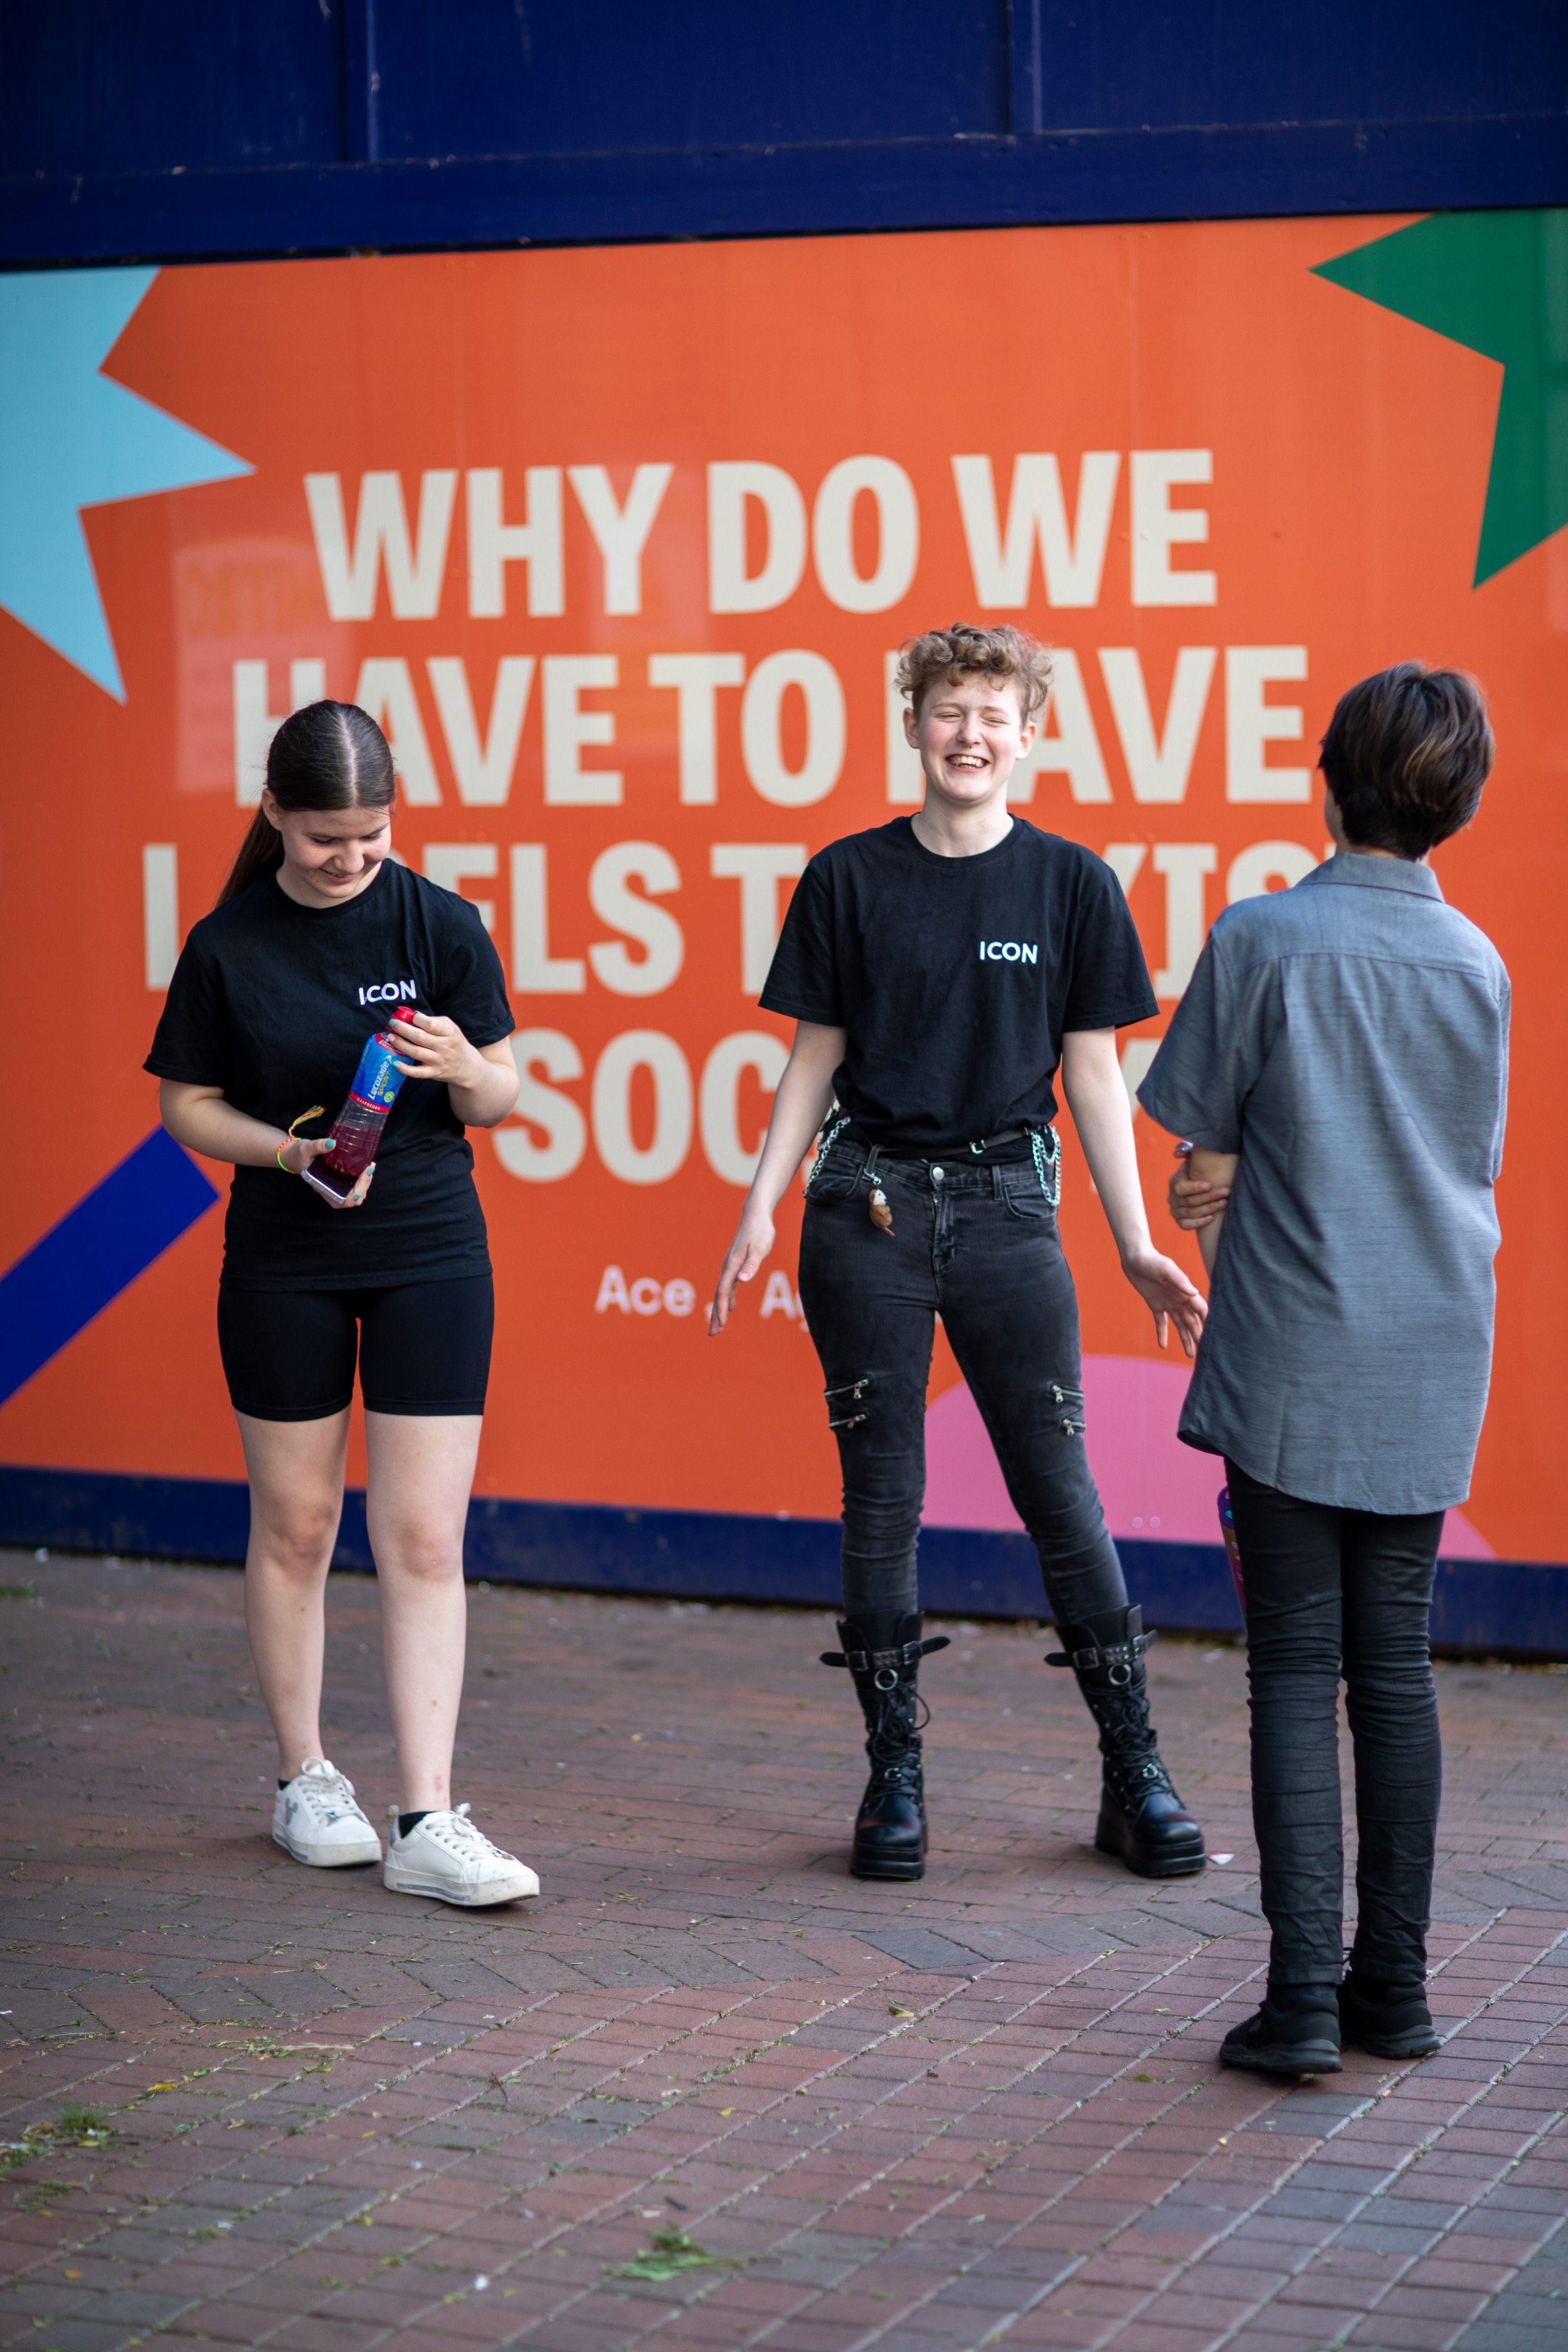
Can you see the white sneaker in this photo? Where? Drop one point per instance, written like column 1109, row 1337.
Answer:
column 315, row 1819
column 445, row 1857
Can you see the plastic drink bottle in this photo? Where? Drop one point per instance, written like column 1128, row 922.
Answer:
column 1232, row 1547
column 356, row 1130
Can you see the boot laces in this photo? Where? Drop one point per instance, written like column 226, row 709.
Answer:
column 1129, row 1744
column 1123, row 1719
column 892, row 1744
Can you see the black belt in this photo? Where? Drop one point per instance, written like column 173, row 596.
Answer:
column 980, row 1146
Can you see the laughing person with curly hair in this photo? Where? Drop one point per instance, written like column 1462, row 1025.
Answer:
column 940, row 970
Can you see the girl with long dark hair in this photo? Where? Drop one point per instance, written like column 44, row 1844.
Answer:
column 318, row 934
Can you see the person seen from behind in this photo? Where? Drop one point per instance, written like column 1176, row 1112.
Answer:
column 1339, row 1064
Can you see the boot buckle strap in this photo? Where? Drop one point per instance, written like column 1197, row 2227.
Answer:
column 1119, row 1658
column 879, row 1662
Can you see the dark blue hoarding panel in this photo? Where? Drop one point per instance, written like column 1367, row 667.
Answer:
column 101, row 85
column 1093, row 176
column 186, row 127
column 1129, row 63
column 1480, row 1605
column 705, row 74
column 93, row 86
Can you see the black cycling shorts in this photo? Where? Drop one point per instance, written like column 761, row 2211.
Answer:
column 423, row 1347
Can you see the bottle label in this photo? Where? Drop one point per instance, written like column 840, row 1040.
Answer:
column 378, row 1078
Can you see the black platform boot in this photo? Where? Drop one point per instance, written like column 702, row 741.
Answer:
column 890, row 1827
column 1141, row 1819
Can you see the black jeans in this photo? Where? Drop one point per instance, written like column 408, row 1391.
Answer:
column 1331, row 1591
column 977, row 1243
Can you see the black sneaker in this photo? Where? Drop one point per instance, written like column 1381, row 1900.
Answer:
column 1296, row 2032
column 1388, row 2021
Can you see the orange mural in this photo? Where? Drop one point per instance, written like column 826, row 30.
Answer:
column 618, row 544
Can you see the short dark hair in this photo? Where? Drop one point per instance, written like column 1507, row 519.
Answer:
column 945, row 656
column 1406, row 757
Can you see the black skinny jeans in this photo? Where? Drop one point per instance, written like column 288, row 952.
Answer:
column 1331, row 1591
column 978, row 1243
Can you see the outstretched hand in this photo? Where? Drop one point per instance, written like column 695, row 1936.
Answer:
column 1169, row 1296
column 752, row 1243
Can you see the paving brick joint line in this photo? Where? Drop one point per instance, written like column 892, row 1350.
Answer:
column 982, row 2110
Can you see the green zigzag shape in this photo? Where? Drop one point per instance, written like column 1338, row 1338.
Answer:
column 1496, row 283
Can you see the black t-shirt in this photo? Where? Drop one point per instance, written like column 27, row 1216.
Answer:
column 273, row 1003
column 955, row 977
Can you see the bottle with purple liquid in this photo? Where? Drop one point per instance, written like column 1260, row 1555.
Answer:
column 356, row 1130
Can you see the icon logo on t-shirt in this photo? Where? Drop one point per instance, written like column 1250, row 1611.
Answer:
column 1009, row 951
column 389, row 991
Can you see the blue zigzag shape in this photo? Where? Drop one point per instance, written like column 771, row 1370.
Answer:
column 72, row 439
column 96, row 1251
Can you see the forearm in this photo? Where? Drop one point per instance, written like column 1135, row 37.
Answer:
column 207, row 1124
column 800, row 1105
column 1103, row 1118
column 801, row 1102
column 1091, row 1081
column 1217, row 1169
column 489, row 1097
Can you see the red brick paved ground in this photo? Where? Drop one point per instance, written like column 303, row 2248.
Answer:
column 984, row 2110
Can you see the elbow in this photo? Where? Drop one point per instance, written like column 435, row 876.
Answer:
column 486, row 1113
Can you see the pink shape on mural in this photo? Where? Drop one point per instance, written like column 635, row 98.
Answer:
column 1152, row 1485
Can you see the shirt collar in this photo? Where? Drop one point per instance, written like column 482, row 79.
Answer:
column 1378, row 873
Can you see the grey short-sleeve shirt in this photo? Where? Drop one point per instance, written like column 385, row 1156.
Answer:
column 1349, row 1038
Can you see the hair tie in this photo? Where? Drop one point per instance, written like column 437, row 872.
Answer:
column 315, row 1112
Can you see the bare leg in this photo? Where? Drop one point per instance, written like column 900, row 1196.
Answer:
column 421, row 1469
column 296, row 1470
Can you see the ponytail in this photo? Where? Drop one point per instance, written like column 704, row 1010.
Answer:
column 262, row 851
column 330, row 755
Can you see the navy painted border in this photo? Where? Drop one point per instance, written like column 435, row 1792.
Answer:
column 1216, row 172
column 1517, row 1608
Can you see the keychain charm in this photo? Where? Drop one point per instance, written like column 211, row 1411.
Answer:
column 882, row 1215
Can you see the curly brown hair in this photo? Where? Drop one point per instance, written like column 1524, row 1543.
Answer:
column 962, row 650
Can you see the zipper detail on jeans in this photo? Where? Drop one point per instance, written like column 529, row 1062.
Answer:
column 849, row 1394
column 1069, row 1403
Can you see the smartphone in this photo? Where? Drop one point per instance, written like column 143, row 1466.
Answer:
column 330, row 1182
